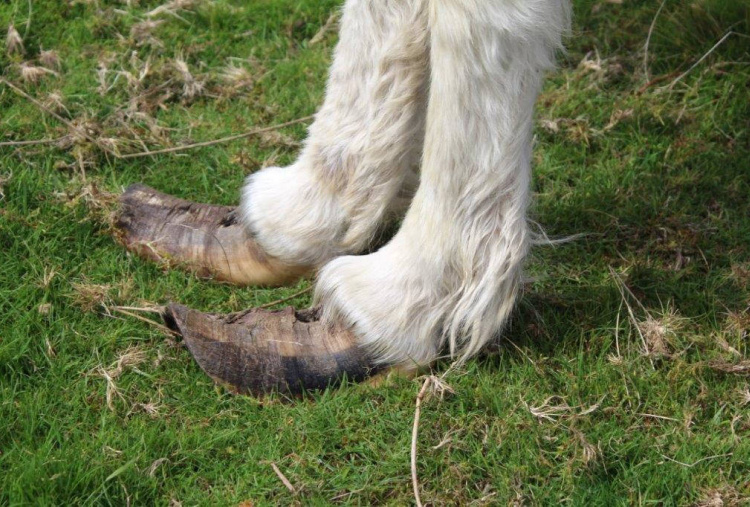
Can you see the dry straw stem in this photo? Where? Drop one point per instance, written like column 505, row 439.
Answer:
column 235, row 137
column 622, row 288
column 648, row 40
column 691, row 465
column 327, row 27
column 29, row 143
column 740, row 368
column 283, row 478
column 700, row 60
column 284, row 300
column 123, row 310
column 431, row 384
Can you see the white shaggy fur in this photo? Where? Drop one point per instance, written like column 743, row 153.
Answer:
column 451, row 274
column 363, row 148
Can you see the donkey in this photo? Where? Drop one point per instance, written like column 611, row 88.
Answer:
column 427, row 119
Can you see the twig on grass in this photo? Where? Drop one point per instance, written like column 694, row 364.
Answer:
column 283, row 478
column 218, row 141
column 284, row 300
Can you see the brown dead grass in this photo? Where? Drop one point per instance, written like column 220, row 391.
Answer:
column 129, row 358
column 725, row 496
column 737, row 368
column 91, row 296
column 13, row 41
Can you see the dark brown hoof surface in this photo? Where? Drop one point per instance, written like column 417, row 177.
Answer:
column 260, row 351
column 204, row 238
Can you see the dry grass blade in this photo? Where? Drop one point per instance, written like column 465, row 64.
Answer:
column 49, row 58
column 657, row 333
column 32, row 142
column 191, row 87
column 81, row 132
column 142, row 32
column 171, row 8
column 648, row 40
column 130, row 358
column 284, row 300
column 691, row 465
column 144, row 309
column 431, row 384
column 159, row 326
column 4, row 178
column 700, row 60
column 90, row 295
column 237, row 76
column 156, row 464
column 32, row 73
column 13, row 41
column 283, row 478
column 655, row 416
column 726, row 496
column 634, row 322
column 552, row 412
column 589, row 452
column 235, row 137
column 329, row 25
column 740, row 368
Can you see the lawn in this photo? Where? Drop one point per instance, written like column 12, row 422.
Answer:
column 623, row 377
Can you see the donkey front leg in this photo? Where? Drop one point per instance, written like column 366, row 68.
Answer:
column 355, row 169
column 450, row 276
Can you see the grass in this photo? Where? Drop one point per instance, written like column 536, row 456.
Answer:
column 623, row 378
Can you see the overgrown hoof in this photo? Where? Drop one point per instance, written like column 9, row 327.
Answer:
column 203, row 238
column 261, row 351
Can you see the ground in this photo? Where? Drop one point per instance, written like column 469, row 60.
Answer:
column 622, row 379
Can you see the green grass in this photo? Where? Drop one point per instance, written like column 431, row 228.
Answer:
column 657, row 178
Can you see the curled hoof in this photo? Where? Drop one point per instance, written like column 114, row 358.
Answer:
column 259, row 351
column 203, row 238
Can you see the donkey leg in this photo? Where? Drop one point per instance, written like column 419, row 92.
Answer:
column 449, row 278
column 355, row 167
